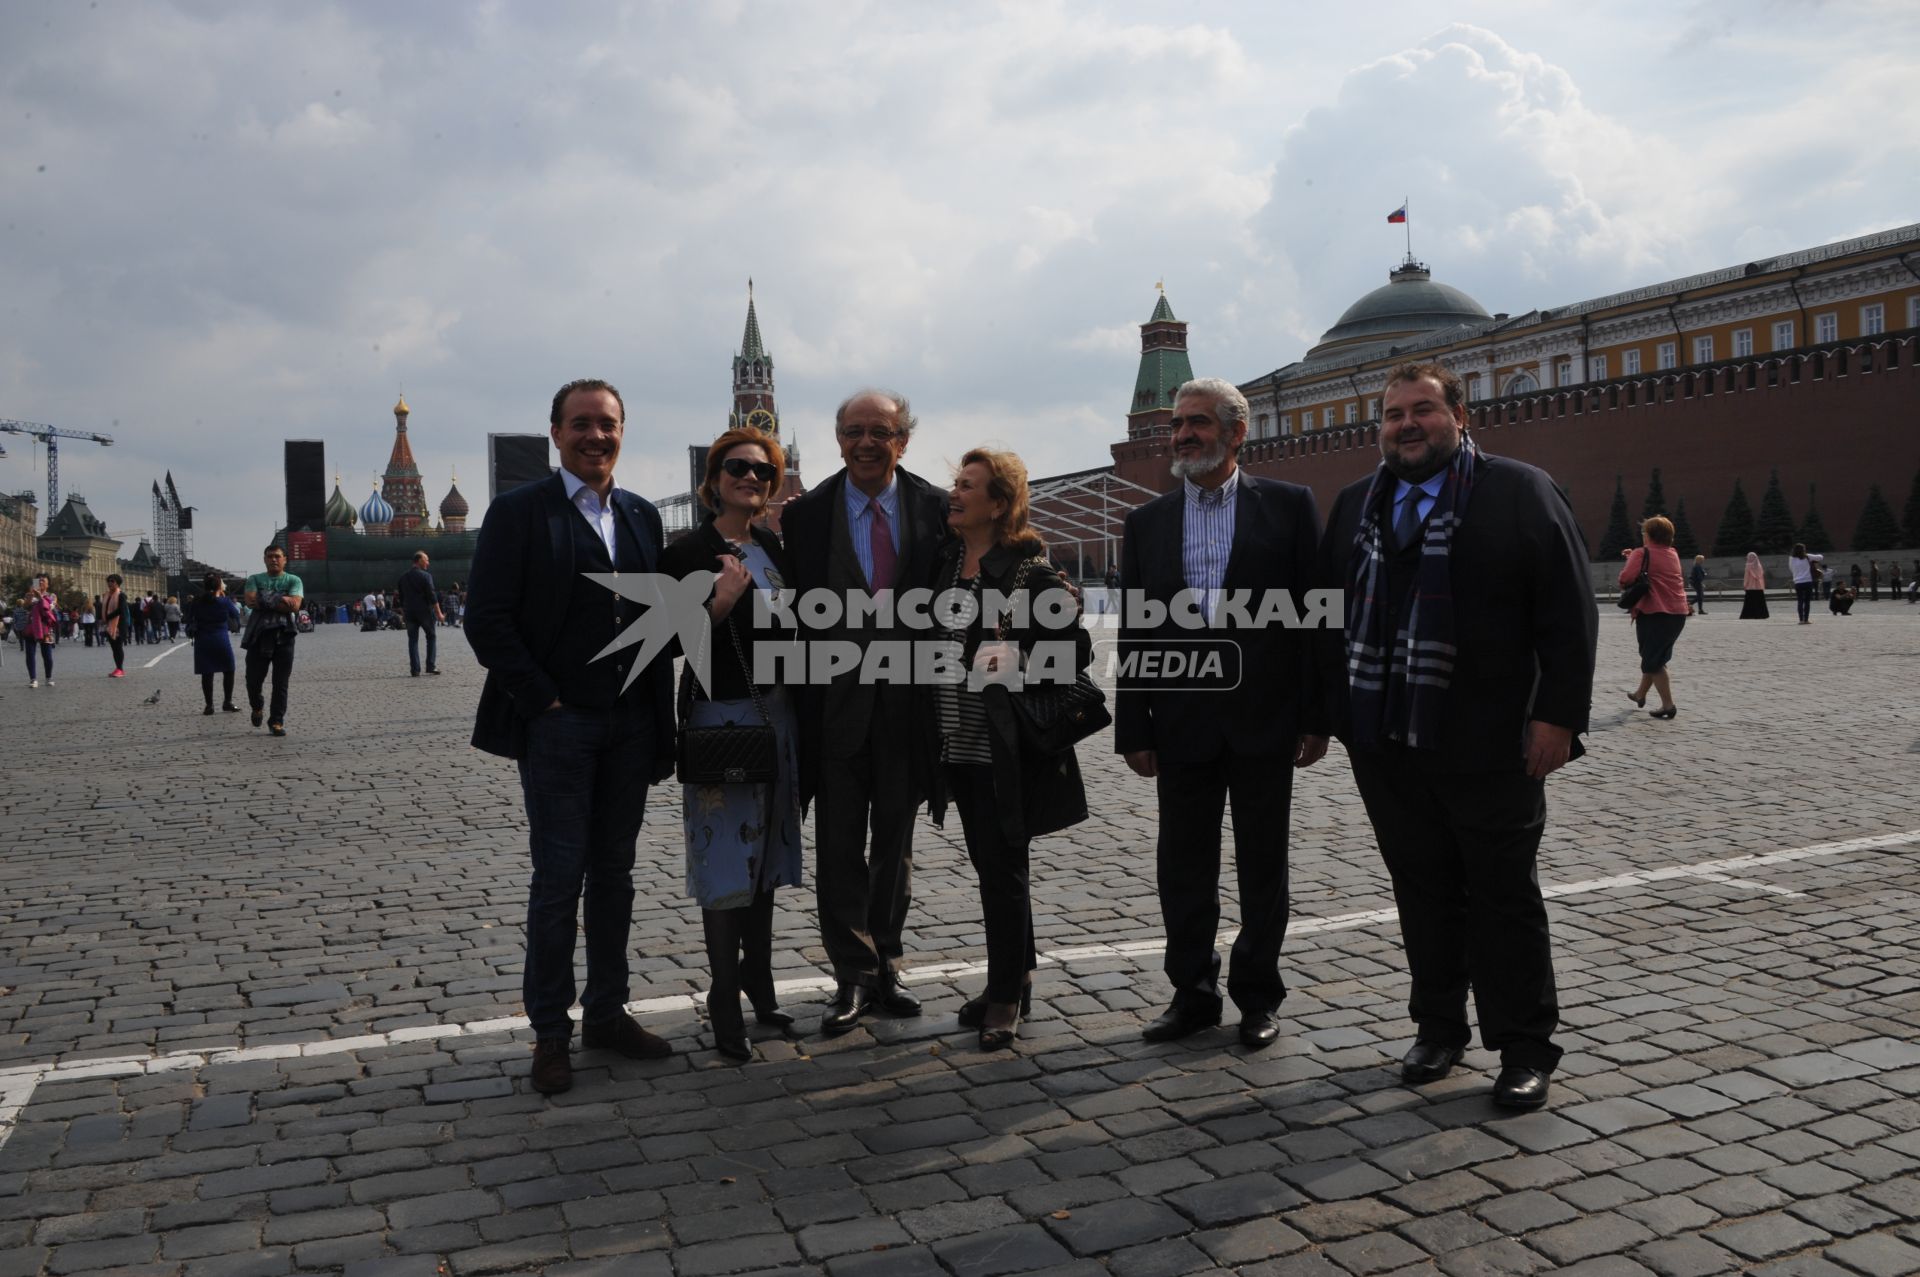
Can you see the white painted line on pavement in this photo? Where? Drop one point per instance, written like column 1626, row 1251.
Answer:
column 171, row 649
column 17, row 1083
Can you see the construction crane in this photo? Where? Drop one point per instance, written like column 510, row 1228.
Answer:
column 51, row 436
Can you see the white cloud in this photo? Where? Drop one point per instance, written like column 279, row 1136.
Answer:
column 255, row 223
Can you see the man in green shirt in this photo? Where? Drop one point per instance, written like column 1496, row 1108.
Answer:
column 279, row 594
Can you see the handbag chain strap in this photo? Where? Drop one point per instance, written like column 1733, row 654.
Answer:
column 1019, row 582
column 740, row 655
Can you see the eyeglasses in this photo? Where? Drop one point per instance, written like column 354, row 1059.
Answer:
column 879, row 434
column 740, row 468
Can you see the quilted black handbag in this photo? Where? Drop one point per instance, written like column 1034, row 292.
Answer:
column 1642, row 584
column 736, row 755
column 1054, row 717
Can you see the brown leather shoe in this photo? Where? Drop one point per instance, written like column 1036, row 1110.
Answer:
column 552, row 1069
column 623, row 1034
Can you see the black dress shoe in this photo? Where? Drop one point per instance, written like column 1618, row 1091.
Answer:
column 729, row 1027
column 623, row 1033
column 773, row 1016
column 1519, row 1087
column 1178, row 1021
column 552, row 1069
column 1428, row 1062
column 973, row 1013
column 1259, row 1029
column 850, row 1002
column 895, row 1000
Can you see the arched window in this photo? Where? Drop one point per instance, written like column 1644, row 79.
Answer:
column 1521, row 384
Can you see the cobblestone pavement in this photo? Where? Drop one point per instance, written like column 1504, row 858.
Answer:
column 258, row 1015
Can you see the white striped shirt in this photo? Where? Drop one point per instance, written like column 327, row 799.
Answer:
column 1207, row 538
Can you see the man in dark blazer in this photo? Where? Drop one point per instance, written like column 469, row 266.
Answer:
column 421, row 607
column 588, row 741
column 1239, row 730
column 1461, row 681
column 863, row 758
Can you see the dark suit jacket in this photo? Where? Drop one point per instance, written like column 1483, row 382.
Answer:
column 416, row 595
column 697, row 551
column 1524, row 617
column 522, row 564
column 807, row 525
column 1275, row 539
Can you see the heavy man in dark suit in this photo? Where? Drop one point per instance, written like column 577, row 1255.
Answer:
column 1462, row 682
column 421, row 607
column 1240, row 733
column 587, row 744
column 863, row 762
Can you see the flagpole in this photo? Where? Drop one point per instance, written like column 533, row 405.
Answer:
column 1407, row 204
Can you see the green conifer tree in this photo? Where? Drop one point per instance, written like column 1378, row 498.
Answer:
column 1910, row 525
column 1685, row 544
column 1813, row 533
column 1877, row 529
column 1618, row 535
column 1656, row 502
column 1773, row 530
column 1735, row 536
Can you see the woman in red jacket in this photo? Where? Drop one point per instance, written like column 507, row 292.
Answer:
column 1661, row 615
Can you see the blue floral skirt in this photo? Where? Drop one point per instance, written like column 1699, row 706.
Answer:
column 744, row 839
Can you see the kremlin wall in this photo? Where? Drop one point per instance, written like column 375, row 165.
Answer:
column 1803, row 363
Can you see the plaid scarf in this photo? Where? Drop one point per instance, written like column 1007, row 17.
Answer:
column 1398, row 682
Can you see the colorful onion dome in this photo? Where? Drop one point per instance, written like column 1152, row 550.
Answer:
column 376, row 512
column 339, row 509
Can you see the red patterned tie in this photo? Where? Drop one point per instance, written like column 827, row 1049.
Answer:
column 880, row 539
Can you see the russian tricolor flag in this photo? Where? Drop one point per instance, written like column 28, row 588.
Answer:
column 1398, row 214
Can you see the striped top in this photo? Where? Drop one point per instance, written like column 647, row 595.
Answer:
column 963, row 715
column 1207, row 538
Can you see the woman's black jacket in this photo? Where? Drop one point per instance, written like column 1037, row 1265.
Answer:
column 1034, row 794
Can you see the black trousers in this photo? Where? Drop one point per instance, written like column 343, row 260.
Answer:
column 863, row 895
column 1193, row 800
column 1461, row 850
column 1006, row 904
column 274, row 654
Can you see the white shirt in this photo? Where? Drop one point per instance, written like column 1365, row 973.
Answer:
column 370, row 603
column 1803, row 568
column 1207, row 523
column 597, row 514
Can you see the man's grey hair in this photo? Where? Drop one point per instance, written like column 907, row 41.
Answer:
column 1228, row 403
column 903, row 419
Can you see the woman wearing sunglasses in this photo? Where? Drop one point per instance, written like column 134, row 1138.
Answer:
column 743, row 839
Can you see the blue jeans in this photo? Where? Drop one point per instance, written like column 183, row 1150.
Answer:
column 584, row 777
column 413, row 645
column 45, row 651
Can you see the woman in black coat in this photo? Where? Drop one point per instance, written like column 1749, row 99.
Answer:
column 1007, row 795
column 742, row 839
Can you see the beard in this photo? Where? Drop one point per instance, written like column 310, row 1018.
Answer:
column 1421, row 471
column 1204, row 462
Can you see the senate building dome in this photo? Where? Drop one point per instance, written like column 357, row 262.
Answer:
column 1410, row 304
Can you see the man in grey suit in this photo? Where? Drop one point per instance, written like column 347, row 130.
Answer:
column 864, row 760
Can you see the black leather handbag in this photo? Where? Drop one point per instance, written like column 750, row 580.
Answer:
column 1642, row 584
column 737, row 755
column 1054, row 717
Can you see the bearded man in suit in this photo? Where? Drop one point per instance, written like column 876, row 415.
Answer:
column 1220, row 549
column 1462, row 681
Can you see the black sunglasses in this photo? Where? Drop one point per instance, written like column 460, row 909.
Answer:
column 740, row 468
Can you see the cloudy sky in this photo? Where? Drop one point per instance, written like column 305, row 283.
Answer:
column 225, row 225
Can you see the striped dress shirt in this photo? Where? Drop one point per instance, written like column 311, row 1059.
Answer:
column 1207, row 530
